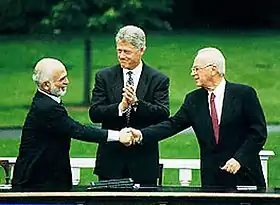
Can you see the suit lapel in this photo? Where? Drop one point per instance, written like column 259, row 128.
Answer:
column 117, row 84
column 228, row 106
column 143, row 82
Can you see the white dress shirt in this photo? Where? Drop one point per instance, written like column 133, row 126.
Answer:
column 219, row 93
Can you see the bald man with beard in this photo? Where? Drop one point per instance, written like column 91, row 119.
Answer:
column 228, row 121
column 43, row 163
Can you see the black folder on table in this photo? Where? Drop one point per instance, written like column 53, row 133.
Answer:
column 112, row 184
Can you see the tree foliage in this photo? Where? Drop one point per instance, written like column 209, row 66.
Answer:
column 104, row 15
column 22, row 15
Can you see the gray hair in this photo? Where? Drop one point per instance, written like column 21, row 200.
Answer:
column 215, row 56
column 132, row 34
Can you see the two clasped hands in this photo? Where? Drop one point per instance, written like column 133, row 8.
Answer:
column 130, row 136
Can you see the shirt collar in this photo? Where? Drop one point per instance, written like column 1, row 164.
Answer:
column 220, row 89
column 57, row 99
column 136, row 71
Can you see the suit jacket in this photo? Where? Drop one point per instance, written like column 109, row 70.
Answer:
column 43, row 163
column 141, row 161
column 242, row 134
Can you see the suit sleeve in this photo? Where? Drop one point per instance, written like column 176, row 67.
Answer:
column 100, row 109
column 180, row 121
column 157, row 110
column 60, row 122
column 257, row 130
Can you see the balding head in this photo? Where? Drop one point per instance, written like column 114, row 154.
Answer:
column 44, row 70
column 47, row 75
column 211, row 55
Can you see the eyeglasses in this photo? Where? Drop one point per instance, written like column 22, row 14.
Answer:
column 196, row 69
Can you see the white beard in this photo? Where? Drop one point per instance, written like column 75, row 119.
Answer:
column 58, row 91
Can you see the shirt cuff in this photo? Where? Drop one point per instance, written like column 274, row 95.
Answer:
column 113, row 136
column 140, row 140
column 119, row 108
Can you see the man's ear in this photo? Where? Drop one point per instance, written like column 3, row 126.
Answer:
column 214, row 67
column 142, row 51
column 46, row 86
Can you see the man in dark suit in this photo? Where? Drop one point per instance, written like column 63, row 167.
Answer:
column 228, row 121
column 43, row 163
column 129, row 94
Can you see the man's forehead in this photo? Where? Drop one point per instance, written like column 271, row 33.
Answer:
column 202, row 60
column 199, row 61
column 125, row 44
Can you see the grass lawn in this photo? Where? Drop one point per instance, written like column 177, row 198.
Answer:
column 181, row 146
column 252, row 58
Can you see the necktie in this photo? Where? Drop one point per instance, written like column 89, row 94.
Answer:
column 131, row 83
column 214, row 117
column 130, row 79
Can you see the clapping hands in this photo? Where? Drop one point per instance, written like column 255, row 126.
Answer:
column 129, row 97
column 130, row 136
column 129, row 94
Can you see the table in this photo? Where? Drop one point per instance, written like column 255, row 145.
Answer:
column 145, row 196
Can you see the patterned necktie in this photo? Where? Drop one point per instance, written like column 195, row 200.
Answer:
column 214, row 117
column 131, row 83
column 130, row 79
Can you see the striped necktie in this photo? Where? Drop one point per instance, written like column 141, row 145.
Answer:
column 131, row 83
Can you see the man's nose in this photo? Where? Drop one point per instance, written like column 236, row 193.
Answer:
column 66, row 81
column 193, row 72
column 121, row 54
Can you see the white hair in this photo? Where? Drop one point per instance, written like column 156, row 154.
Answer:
column 132, row 34
column 215, row 56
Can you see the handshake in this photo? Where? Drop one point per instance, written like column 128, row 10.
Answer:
column 130, row 136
